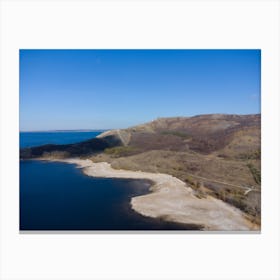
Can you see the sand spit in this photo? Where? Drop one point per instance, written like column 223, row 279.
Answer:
column 172, row 200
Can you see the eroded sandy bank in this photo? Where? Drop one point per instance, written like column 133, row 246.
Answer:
column 172, row 199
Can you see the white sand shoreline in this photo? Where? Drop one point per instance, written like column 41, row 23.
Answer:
column 171, row 199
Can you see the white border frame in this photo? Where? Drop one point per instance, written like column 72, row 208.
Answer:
column 139, row 24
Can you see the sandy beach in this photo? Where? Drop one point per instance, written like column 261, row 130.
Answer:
column 172, row 200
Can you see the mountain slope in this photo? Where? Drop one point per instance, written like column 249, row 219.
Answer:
column 224, row 135
column 217, row 155
column 227, row 135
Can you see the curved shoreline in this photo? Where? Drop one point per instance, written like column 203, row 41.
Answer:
column 171, row 199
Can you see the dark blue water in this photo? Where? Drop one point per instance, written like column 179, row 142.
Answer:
column 58, row 196
column 30, row 139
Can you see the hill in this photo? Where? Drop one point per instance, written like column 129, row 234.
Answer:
column 227, row 135
column 216, row 154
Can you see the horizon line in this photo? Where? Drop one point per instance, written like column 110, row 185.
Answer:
column 66, row 130
column 104, row 129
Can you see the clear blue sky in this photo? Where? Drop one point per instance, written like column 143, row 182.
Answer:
column 101, row 89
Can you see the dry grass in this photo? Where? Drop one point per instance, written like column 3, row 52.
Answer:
column 187, row 165
column 208, row 152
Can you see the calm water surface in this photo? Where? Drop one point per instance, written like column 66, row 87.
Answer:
column 58, row 196
column 30, row 139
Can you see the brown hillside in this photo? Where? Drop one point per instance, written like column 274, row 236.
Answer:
column 228, row 135
column 214, row 154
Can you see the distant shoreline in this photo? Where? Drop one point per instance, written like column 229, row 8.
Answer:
column 144, row 121
column 171, row 199
column 78, row 130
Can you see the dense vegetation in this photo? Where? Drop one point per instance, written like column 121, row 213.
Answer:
column 176, row 133
column 121, row 151
column 255, row 172
column 84, row 148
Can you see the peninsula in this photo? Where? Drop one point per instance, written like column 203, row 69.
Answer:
column 205, row 169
